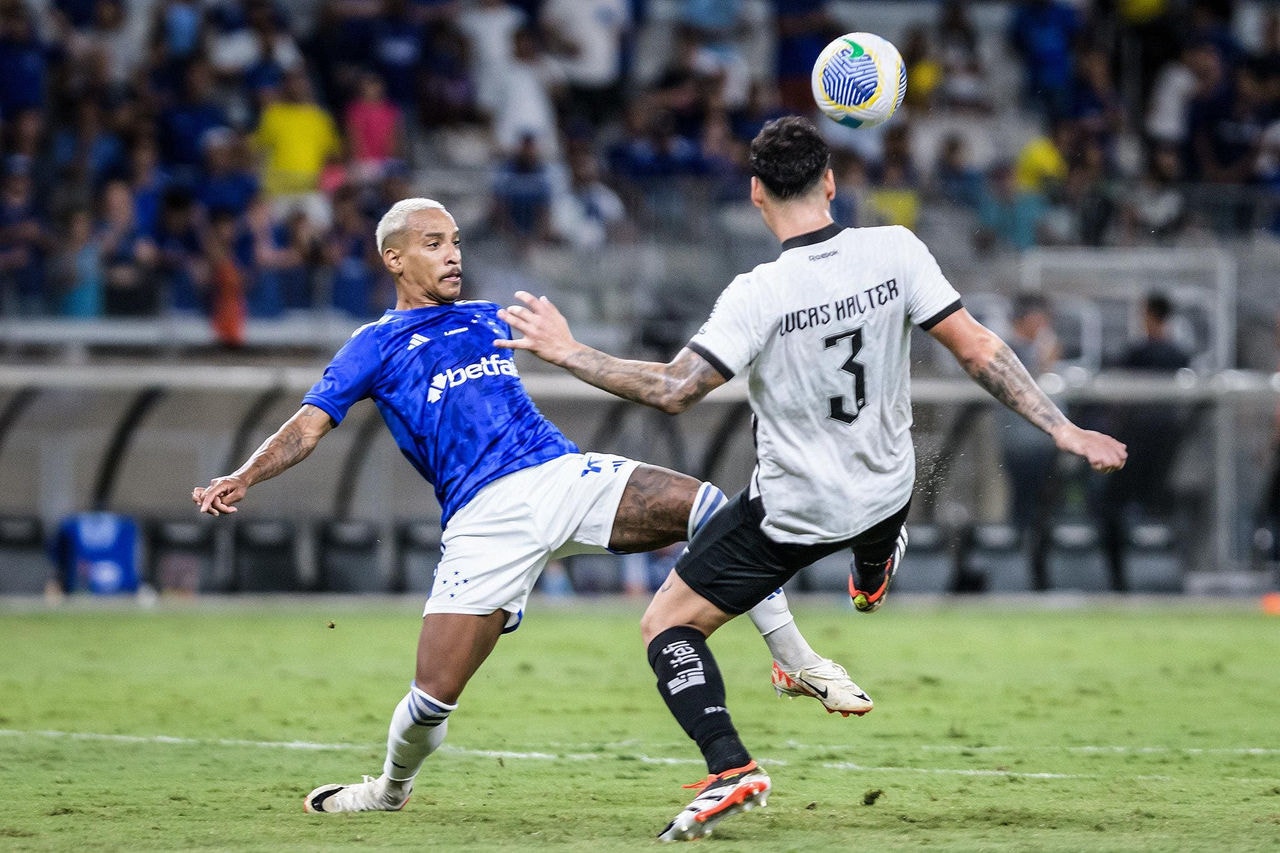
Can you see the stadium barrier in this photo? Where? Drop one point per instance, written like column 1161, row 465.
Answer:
column 65, row 420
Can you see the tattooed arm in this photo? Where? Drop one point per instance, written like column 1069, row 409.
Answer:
column 292, row 443
column 995, row 367
column 671, row 387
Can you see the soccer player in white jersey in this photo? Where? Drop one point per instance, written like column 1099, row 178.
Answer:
column 823, row 334
column 514, row 492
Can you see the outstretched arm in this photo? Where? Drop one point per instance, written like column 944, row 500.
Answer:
column 292, row 443
column 995, row 367
column 671, row 387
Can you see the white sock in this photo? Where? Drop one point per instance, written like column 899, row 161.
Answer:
column 772, row 618
column 418, row 727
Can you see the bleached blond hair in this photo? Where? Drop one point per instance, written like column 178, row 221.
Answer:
column 396, row 219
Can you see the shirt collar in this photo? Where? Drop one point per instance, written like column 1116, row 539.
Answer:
column 820, row 236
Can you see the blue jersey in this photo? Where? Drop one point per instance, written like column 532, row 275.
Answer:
column 452, row 400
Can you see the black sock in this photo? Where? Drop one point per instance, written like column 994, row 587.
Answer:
column 691, row 685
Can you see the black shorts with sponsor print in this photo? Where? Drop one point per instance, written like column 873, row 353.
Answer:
column 734, row 565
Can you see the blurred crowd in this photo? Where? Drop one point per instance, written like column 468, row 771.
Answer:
column 229, row 158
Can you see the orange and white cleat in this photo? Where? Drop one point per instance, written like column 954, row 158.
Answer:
column 829, row 683
column 719, row 796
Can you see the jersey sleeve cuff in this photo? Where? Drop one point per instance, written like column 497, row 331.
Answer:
column 711, row 360
column 324, row 406
column 942, row 315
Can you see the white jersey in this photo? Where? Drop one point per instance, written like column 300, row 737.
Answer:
column 825, row 334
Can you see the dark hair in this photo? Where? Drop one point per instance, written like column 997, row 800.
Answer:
column 789, row 156
column 1159, row 306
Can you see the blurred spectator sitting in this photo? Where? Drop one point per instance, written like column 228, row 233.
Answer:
column 265, row 257
column 530, row 86
column 955, row 176
column 24, row 240
column 184, row 124
column 104, row 58
column 297, row 137
column 1029, row 457
column 1153, row 433
column 148, row 183
column 1043, row 34
column 374, row 129
column 26, row 145
column 352, row 256
column 1210, row 99
column 1155, row 211
column 396, row 47
column 1008, row 218
column 894, row 199
column 1041, row 167
column 1096, row 107
column 1165, row 113
column 75, row 275
column 589, row 214
column 851, row 207
column 227, row 304
column 87, row 150
column 653, row 162
column 128, row 257
column 179, row 243
column 177, row 30
column 226, row 183
column 25, row 61
column 586, row 38
column 447, row 98
column 1226, row 131
column 489, row 27
column 964, row 82
column 521, row 196
column 924, row 69
column 804, row 27
column 251, row 38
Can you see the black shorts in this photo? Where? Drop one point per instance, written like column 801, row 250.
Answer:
column 734, row 565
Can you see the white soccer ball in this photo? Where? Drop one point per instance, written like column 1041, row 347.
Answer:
column 859, row 80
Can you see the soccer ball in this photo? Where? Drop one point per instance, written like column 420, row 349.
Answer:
column 859, row 80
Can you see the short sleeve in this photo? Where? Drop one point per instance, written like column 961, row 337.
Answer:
column 930, row 297
column 731, row 337
column 349, row 378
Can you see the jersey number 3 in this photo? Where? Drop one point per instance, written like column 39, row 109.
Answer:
column 854, row 368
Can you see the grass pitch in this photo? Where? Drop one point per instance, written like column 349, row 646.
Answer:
column 1099, row 726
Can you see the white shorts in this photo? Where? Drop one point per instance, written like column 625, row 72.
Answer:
column 496, row 546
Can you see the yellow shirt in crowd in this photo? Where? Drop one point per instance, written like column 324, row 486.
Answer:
column 296, row 139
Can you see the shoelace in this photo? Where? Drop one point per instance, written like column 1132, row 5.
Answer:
column 716, row 777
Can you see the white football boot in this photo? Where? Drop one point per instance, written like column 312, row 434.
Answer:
column 371, row 795
column 828, row 682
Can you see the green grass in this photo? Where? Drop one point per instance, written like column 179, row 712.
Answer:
column 1011, row 727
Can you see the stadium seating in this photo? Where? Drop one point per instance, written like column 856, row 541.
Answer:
column 25, row 568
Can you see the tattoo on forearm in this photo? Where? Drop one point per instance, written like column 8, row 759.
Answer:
column 289, row 446
column 1005, row 377
column 644, row 382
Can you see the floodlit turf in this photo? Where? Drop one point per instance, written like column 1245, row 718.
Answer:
column 998, row 727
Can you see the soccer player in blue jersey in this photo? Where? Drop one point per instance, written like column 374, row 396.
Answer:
column 514, row 492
